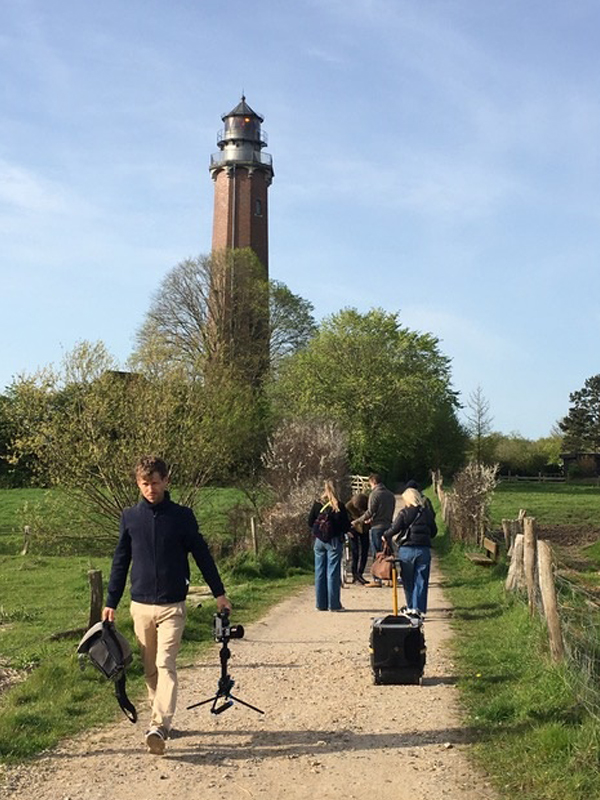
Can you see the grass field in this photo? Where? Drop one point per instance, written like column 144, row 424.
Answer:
column 550, row 503
column 212, row 509
column 530, row 732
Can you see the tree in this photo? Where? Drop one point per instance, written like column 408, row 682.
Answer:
column 87, row 424
column 514, row 453
column 581, row 426
column 301, row 454
column 447, row 444
column 12, row 473
column 479, row 427
column 470, row 501
column 385, row 384
column 210, row 310
column 220, row 309
column 292, row 324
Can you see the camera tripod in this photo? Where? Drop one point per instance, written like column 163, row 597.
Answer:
column 226, row 684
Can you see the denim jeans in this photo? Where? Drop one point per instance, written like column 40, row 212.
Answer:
column 376, row 536
column 328, row 576
column 415, row 564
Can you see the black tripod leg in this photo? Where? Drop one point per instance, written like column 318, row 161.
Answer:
column 243, row 702
column 203, row 702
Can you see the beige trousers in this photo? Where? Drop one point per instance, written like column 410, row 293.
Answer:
column 158, row 630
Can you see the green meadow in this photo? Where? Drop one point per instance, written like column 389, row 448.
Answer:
column 530, row 731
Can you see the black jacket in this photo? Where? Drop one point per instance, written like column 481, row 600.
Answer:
column 156, row 541
column 421, row 522
column 340, row 521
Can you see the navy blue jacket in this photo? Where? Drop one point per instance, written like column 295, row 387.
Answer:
column 156, row 541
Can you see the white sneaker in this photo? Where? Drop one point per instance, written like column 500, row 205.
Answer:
column 155, row 740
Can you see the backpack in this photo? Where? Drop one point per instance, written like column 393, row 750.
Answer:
column 110, row 652
column 323, row 527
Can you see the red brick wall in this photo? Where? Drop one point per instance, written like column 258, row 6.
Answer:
column 250, row 230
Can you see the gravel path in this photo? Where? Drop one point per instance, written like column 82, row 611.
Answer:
column 328, row 732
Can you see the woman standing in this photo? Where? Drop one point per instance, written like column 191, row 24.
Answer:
column 412, row 530
column 328, row 520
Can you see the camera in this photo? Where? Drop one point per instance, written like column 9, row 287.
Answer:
column 223, row 630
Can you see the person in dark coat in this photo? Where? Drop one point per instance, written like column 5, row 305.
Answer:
column 359, row 536
column 329, row 522
column 412, row 531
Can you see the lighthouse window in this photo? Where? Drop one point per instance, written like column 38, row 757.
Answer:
column 258, row 208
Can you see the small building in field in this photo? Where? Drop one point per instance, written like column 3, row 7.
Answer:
column 581, row 465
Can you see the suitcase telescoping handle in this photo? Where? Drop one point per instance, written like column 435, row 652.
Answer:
column 395, row 586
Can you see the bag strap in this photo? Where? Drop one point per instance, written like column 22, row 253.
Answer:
column 417, row 515
column 127, row 706
column 113, row 645
column 327, row 504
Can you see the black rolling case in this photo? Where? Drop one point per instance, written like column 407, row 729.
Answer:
column 397, row 646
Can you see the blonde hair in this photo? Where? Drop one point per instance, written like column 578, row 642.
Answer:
column 413, row 498
column 330, row 495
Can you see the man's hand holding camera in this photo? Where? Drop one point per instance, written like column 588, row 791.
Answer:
column 223, row 603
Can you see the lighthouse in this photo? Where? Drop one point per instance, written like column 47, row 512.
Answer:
column 242, row 173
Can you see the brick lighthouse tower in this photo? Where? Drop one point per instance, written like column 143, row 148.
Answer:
column 242, row 174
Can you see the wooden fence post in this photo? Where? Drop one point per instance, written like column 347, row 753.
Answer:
column 26, row 540
column 507, row 531
column 97, row 594
column 529, row 560
column 548, row 590
column 254, row 535
column 447, row 512
column 515, row 580
column 511, row 529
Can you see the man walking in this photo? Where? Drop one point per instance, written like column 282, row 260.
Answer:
column 156, row 536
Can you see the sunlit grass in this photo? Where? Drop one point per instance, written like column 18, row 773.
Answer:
column 550, row 503
column 529, row 731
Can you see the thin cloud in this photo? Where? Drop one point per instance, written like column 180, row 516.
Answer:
column 23, row 190
column 327, row 56
column 459, row 335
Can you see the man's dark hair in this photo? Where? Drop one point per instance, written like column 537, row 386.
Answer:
column 375, row 477
column 149, row 464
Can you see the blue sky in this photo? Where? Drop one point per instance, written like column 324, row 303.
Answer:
column 440, row 159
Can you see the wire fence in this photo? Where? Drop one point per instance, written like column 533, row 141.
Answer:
column 564, row 596
column 570, row 609
column 579, row 614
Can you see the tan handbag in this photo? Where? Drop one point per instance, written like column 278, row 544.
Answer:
column 381, row 567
